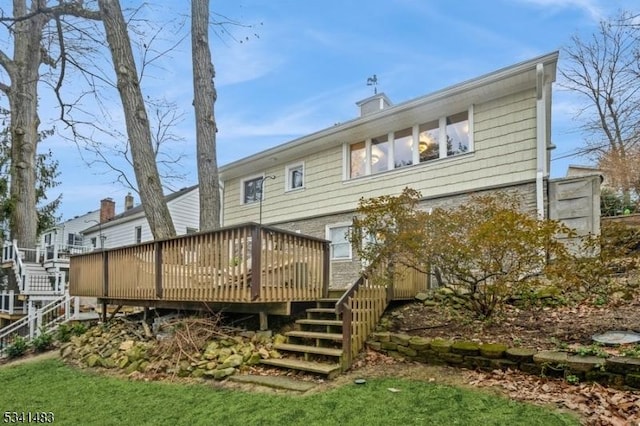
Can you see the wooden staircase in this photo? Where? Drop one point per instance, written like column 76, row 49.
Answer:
column 316, row 343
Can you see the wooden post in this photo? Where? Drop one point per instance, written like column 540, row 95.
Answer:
column 104, row 312
column 347, row 318
column 264, row 320
column 256, row 261
column 325, row 269
column 105, row 274
column 158, row 251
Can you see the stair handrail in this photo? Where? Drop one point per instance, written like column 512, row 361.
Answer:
column 38, row 321
column 46, row 324
column 352, row 342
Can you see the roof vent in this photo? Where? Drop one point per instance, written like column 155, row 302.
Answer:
column 373, row 104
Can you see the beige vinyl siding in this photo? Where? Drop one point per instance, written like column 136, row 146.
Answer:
column 504, row 153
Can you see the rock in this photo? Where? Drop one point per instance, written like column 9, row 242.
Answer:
column 430, row 303
column 123, row 362
column 198, row 372
column 224, row 353
column 225, row 372
column 584, row 363
column 254, row 359
column 232, row 361
column 553, row 358
column 441, row 346
column 419, row 343
column 520, row 354
column 401, row 339
column 66, row 350
column 126, row 345
column 279, row 339
column 93, row 360
column 383, row 336
column 422, row 296
column 465, row 348
column 492, row 350
column 274, row 354
column 264, row 335
column 264, row 353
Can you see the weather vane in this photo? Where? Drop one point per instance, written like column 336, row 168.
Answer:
column 373, row 81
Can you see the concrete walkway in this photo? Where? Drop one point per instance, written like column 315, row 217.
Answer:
column 276, row 382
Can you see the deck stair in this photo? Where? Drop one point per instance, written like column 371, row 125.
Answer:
column 315, row 345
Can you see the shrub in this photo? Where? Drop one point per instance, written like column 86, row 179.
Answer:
column 42, row 341
column 65, row 331
column 487, row 250
column 17, row 348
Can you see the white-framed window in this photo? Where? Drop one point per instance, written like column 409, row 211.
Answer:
column 137, row 234
column 251, row 189
column 74, row 239
column 338, row 235
column 191, row 230
column 442, row 137
column 294, row 177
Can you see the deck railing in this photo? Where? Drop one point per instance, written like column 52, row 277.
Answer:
column 247, row 263
column 11, row 304
column 364, row 302
column 57, row 252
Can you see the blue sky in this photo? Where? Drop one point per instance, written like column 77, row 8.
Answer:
column 310, row 61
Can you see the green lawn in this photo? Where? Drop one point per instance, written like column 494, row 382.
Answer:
column 81, row 398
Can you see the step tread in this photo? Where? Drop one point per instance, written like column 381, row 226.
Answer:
column 314, row 367
column 322, row 310
column 328, row 299
column 319, row 322
column 309, row 349
column 315, row 335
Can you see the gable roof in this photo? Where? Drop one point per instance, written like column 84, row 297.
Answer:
column 137, row 211
column 511, row 79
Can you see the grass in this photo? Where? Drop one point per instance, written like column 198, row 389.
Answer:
column 83, row 398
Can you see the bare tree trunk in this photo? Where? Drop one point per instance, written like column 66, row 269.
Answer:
column 204, row 99
column 138, row 129
column 23, row 101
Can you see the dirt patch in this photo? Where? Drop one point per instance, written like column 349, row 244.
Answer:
column 544, row 328
column 28, row 358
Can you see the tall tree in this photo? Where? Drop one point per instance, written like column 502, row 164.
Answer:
column 604, row 70
column 137, row 121
column 46, row 174
column 204, row 99
column 26, row 24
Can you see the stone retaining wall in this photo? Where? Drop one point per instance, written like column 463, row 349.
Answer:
column 613, row 371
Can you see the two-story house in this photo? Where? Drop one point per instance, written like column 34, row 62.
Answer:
column 486, row 134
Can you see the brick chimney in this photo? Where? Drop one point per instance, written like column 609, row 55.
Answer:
column 128, row 202
column 107, row 209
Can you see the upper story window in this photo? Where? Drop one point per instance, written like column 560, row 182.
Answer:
column 445, row 137
column 457, row 133
column 74, row 239
column 357, row 160
column 429, row 137
column 294, row 177
column 137, row 234
column 403, row 148
column 252, row 189
column 379, row 154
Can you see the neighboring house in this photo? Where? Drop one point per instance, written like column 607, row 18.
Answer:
column 486, row 134
column 131, row 226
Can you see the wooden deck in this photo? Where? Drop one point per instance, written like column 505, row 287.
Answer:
column 243, row 265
